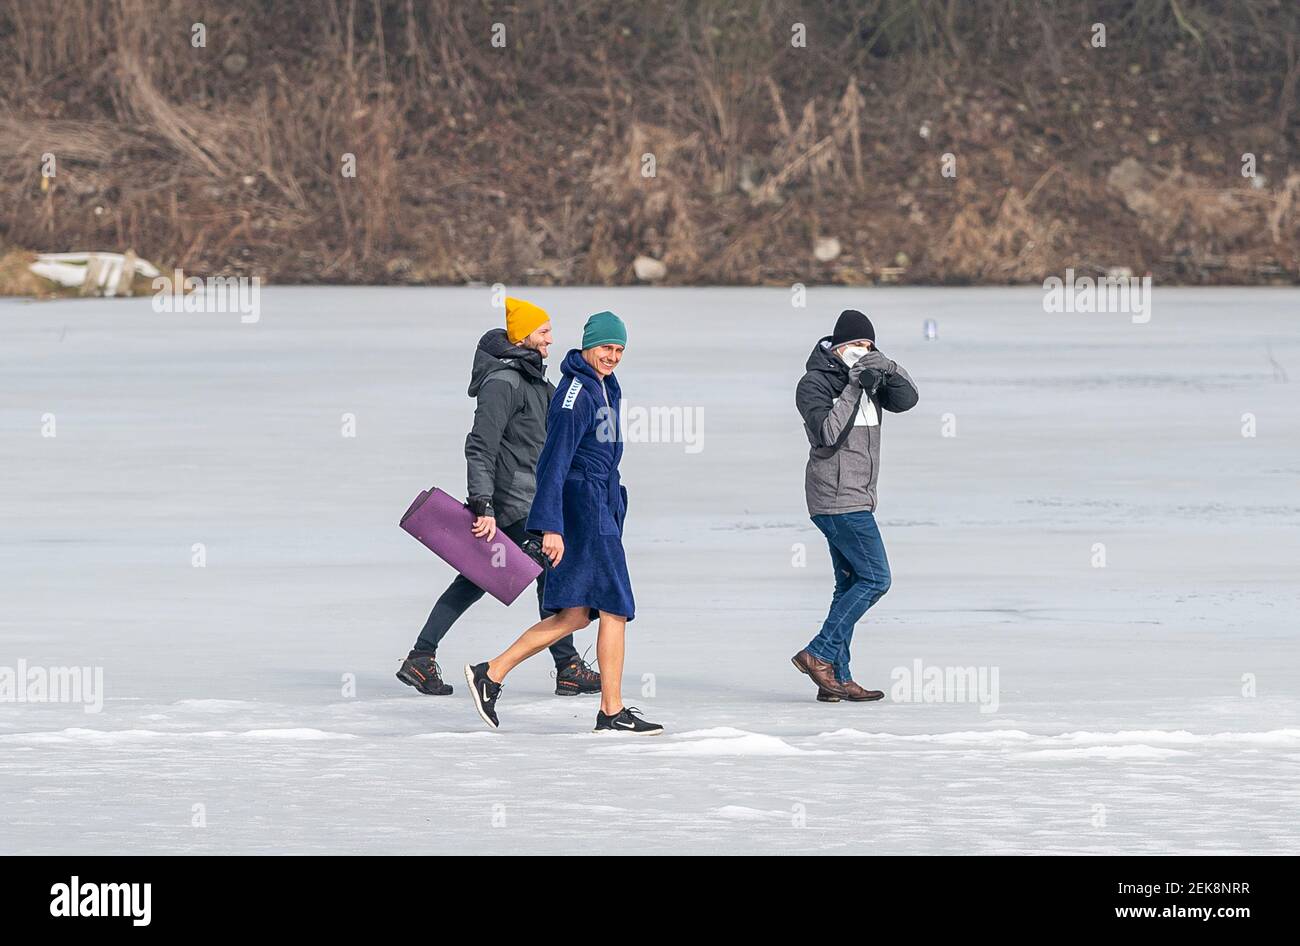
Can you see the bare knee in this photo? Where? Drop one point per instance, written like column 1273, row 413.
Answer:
column 575, row 619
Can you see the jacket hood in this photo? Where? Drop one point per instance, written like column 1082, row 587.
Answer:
column 576, row 366
column 823, row 359
column 495, row 351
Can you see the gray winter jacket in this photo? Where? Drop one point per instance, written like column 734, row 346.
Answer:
column 509, row 427
column 841, row 412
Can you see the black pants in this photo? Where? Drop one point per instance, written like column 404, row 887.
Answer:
column 462, row 593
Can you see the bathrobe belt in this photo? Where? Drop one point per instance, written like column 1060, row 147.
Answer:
column 611, row 481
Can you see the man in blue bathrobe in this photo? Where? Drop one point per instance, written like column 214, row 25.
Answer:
column 579, row 511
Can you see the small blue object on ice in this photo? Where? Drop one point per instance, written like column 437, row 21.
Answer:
column 931, row 328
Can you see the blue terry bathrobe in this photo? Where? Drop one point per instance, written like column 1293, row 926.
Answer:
column 579, row 494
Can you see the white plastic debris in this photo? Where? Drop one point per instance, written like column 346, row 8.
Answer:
column 95, row 273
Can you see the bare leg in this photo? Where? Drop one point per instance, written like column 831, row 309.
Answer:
column 537, row 638
column 609, row 652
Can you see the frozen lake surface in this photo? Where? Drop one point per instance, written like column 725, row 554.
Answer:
column 1148, row 706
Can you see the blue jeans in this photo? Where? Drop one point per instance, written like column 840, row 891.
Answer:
column 861, row 578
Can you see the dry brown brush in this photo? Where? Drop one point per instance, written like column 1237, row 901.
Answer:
column 526, row 163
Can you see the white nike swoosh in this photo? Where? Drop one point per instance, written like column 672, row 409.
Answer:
column 626, row 725
column 486, row 698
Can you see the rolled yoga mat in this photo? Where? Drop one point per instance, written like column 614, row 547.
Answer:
column 442, row 523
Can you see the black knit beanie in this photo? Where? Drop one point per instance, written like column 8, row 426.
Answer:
column 851, row 326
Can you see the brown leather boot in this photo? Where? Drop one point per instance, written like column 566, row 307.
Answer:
column 822, row 673
column 858, row 695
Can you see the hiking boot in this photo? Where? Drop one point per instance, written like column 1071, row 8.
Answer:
column 575, row 679
column 420, row 670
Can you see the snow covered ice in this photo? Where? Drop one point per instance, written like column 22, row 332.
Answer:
column 1124, row 720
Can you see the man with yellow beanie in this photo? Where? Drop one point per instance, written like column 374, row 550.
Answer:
column 523, row 319
column 508, row 381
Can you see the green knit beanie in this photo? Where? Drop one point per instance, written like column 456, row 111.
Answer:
column 604, row 328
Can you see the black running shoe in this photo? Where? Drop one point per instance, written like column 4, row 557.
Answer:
column 420, row 670
column 627, row 720
column 484, row 691
column 826, row 696
column 577, row 678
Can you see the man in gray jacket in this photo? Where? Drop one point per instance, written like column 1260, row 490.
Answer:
column 840, row 397
column 509, row 381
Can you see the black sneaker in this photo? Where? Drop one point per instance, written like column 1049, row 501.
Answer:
column 627, row 720
column 575, row 679
column 826, row 696
column 420, row 670
column 484, row 691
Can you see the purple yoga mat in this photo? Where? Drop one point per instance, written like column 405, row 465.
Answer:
column 441, row 523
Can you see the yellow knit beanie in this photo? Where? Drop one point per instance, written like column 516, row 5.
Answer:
column 522, row 319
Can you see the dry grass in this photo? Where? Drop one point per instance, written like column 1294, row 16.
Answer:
column 17, row 280
column 523, row 164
